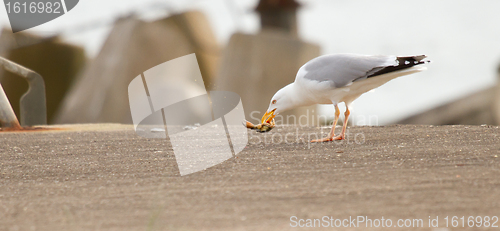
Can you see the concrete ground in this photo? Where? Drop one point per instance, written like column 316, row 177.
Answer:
column 105, row 177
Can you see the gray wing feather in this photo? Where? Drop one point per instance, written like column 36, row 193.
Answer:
column 343, row 69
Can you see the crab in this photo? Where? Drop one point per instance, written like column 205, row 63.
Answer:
column 266, row 124
column 265, row 127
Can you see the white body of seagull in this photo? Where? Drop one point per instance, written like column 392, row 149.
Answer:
column 332, row 79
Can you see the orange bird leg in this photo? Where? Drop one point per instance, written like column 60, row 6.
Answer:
column 344, row 128
column 332, row 132
column 342, row 134
column 337, row 114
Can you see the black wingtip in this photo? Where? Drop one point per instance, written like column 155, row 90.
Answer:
column 403, row 63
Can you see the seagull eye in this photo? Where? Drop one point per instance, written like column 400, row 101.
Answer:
column 274, row 101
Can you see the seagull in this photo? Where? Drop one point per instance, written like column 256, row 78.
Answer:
column 336, row 78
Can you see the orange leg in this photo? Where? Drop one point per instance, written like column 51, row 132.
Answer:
column 337, row 114
column 344, row 128
column 331, row 136
column 332, row 132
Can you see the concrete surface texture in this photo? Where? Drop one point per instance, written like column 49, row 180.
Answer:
column 105, row 177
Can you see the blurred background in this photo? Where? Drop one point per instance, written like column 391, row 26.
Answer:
column 255, row 47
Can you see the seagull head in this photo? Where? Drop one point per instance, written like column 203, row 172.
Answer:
column 280, row 102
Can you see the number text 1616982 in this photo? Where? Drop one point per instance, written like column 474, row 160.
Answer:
column 33, row 7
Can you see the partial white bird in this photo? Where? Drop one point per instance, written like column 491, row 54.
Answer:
column 332, row 79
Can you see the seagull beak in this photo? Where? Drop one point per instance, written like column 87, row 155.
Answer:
column 268, row 116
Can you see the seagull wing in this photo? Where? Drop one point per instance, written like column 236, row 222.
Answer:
column 342, row 70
